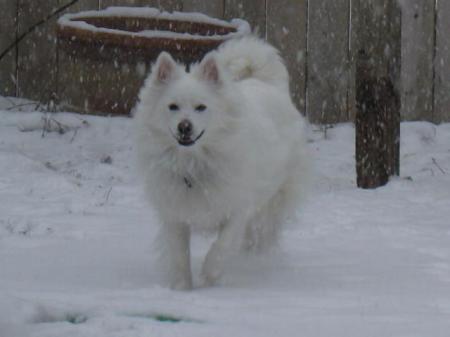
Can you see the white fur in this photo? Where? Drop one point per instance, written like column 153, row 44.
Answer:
column 250, row 58
column 246, row 173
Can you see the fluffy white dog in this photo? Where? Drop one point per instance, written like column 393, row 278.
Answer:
column 221, row 147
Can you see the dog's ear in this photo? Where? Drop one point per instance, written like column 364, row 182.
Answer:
column 209, row 70
column 164, row 68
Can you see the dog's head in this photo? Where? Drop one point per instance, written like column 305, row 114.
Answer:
column 186, row 108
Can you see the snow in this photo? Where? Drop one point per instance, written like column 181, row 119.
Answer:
column 77, row 257
column 74, row 21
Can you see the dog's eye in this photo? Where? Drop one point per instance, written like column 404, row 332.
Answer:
column 174, row 107
column 200, row 108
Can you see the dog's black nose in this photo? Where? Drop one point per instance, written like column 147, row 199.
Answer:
column 185, row 128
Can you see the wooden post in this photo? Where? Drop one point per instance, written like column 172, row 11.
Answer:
column 377, row 92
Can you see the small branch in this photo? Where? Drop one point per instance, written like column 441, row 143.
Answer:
column 46, row 126
column 61, row 127
column 33, row 28
column 51, row 124
column 15, row 106
column 11, row 101
column 438, row 166
column 107, row 195
column 75, row 132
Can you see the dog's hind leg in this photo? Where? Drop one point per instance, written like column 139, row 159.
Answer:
column 263, row 228
column 229, row 243
column 262, row 232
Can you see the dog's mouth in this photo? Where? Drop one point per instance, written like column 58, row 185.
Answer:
column 187, row 140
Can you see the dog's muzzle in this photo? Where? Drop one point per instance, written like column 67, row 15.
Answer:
column 185, row 131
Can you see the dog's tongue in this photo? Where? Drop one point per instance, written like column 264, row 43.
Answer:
column 185, row 141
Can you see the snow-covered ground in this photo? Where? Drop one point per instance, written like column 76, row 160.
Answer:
column 76, row 239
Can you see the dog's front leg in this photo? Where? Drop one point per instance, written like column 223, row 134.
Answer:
column 229, row 243
column 176, row 253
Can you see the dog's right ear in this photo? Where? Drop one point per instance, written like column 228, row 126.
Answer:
column 164, row 68
column 209, row 70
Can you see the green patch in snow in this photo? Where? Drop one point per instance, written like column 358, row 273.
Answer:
column 76, row 319
column 167, row 318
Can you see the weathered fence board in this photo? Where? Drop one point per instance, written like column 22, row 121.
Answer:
column 7, row 36
column 252, row 11
column 81, row 5
column 108, row 3
column 442, row 64
column 417, row 59
column 135, row 3
column 171, row 5
column 37, row 52
column 168, row 5
column 214, row 8
column 328, row 63
column 286, row 29
column 68, row 82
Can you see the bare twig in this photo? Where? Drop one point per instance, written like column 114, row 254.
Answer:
column 15, row 106
column 11, row 101
column 75, row 132
column 84, row 122
column 438, row 166
column 33, row 27
column 46, row 125
column 108, row 193
column 61, row 127
column 51, row 124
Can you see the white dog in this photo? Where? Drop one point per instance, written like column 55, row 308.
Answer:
column 220, row 147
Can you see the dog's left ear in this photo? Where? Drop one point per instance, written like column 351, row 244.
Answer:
column 209, row 70
column 164, row 68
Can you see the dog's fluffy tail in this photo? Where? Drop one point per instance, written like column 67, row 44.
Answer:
column 250, row 57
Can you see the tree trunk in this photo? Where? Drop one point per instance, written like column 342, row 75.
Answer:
column 377, row 92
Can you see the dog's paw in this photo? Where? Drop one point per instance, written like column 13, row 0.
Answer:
column 210, row 278
column 178, row 280
column 181, row 285
column 212, row 268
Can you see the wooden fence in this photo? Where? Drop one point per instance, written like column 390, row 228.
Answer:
column 314, row 36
